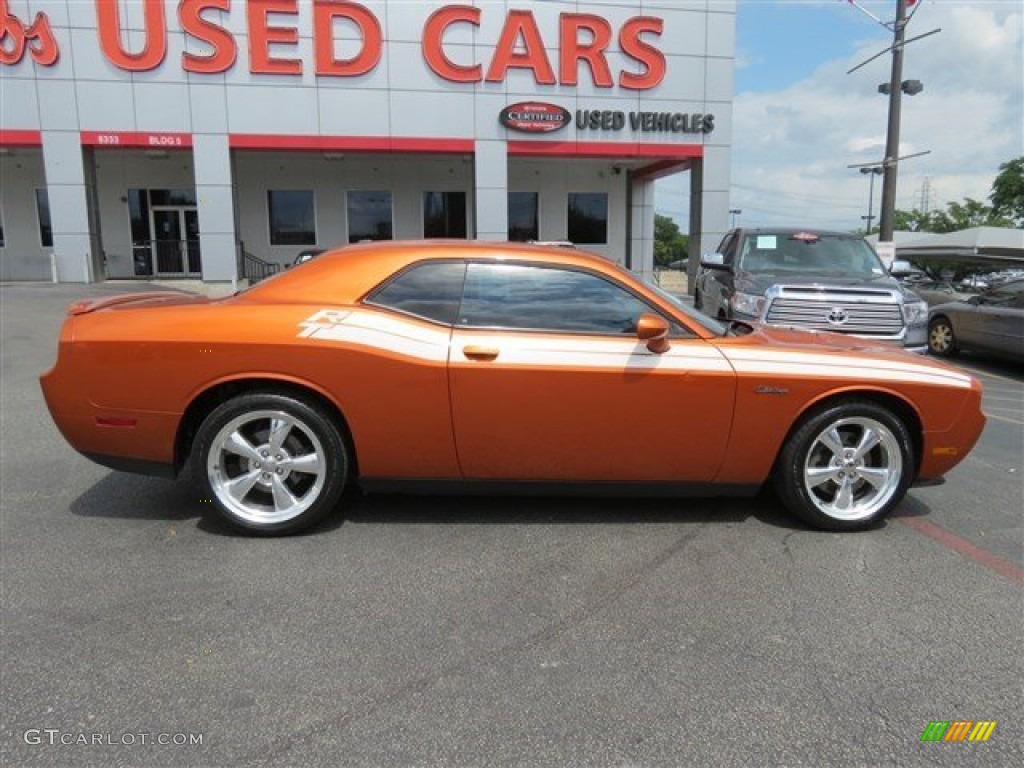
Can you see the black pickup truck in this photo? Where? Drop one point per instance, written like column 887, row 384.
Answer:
column 825, row 281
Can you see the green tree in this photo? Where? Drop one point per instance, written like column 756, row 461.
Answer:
column 669, row 243
column 1008, row 192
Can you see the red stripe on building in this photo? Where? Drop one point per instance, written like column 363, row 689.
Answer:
column 136, row 139
column 17, row 138
column 617, row 149
column 385, row 144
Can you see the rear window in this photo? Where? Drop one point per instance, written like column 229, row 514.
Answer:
column 431, row 291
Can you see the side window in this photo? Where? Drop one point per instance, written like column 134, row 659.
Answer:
column 547, row 299
column 726, row 247
column 431, row 291
column 1006, row 296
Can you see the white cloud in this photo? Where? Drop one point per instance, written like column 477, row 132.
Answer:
column 791, row 146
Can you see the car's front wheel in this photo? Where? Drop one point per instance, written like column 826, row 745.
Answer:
column 271, row 463
column 941, row 338
column 846, row 466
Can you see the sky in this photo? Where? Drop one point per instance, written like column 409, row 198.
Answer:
column 799, row 120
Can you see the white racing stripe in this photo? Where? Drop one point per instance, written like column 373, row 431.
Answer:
column 773, row 361
column 372, row 329
column 581, row 352
column 414, row 340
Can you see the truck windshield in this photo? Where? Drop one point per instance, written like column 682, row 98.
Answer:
column 809, row 254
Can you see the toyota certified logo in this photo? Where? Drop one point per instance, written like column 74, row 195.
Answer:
column 837, row 316
column 534, row 117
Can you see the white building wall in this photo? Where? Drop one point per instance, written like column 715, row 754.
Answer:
column 118, row 171
column 400, row 98
column 22, row 256
column 407, row 178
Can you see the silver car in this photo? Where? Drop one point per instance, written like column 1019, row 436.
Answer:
column 991, row 322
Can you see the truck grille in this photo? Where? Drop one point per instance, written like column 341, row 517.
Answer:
column 874, row 313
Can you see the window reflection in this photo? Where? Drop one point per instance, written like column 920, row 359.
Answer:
column 540, row 298
column 523, row 220
column 369, row 215
column 430, row 290
column 588, row 218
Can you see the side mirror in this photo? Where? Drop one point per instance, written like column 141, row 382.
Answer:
column 901, row 268
column 976, row 300
column 654, row 330
column 713, row 261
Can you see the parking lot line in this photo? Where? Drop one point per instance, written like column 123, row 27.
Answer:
column 1003, row 418
column 951, row 541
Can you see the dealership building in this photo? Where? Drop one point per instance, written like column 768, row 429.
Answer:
column 217, row 139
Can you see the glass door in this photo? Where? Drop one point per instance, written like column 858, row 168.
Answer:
column 195, row 263
column 175, row 241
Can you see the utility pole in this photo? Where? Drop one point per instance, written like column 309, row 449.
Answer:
column 892, row 141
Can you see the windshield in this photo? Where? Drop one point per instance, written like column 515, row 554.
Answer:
column 804, row 253
column 701, row 319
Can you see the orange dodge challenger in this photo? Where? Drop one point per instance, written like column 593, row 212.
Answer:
column 431, row 365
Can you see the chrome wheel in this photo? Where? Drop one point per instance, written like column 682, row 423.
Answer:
column 853, row 468
column 266, row 466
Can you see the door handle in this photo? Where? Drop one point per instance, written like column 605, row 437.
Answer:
column 474, row 352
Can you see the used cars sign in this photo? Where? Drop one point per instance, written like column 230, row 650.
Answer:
column 535, row 117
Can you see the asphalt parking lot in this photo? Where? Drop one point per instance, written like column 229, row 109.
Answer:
column 479, row 632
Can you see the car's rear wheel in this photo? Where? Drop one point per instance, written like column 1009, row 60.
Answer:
column 271, row 463
column 846, row 466
column 941, row 338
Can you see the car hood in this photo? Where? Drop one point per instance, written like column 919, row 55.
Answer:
column 759, row 282
column 797, row 350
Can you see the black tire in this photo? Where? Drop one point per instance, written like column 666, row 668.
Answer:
column 828, row 488
column 941, row 337
column 252, row 483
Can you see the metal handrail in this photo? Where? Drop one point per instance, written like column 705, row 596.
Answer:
column 253, row 268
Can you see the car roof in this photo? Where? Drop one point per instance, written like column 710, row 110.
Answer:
column 345, row 275
column 796, row 230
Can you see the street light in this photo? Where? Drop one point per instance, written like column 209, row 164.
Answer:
column 874, row 170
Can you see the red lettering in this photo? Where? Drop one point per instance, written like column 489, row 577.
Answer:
column 649, row 57
column 433, row 43
column 153, row 52
column 533, row 57
column 262, row 36
column 573, row 51
column 324, row 14
column 224, row 51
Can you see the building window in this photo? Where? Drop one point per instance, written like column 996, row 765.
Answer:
column 43, row 211
column 292, row 219
column 175, row 197
column 444, row 214
column 523, row 220
column 588, row 218
column 369, row 216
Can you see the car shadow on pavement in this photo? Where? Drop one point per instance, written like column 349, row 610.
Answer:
column 137, row 497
